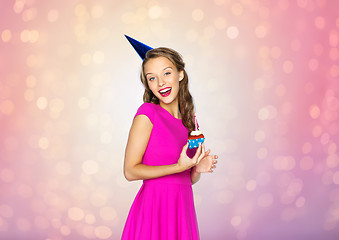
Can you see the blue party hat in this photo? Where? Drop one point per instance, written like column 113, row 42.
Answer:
column 139, row 47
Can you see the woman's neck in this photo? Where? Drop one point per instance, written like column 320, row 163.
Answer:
column 172, row 108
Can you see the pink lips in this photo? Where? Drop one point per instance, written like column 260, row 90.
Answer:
column 166, row 93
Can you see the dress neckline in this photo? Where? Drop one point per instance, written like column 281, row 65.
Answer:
column 168, row 113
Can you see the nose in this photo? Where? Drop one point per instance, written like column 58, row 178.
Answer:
column 161, row 82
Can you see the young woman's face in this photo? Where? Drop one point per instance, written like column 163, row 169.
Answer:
column 163, row 79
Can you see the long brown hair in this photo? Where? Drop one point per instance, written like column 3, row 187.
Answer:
column 186, row 105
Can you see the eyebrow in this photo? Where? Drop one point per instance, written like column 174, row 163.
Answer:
column 162, row 70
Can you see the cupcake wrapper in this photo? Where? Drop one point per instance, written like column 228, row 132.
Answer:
column 194, row 143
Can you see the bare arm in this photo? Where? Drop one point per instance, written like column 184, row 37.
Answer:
column 136, row 146
column 195, row 176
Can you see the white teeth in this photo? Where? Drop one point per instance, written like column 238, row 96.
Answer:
column 165, row 90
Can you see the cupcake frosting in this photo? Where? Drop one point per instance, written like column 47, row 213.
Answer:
column 195, row 133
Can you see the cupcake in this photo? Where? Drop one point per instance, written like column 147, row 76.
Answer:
column 195, row 136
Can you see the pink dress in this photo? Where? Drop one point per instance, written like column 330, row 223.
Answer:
column 163, row 208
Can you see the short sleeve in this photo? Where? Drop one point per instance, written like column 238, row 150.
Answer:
column 146, row 109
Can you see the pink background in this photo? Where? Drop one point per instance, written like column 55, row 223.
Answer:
column 265, row 79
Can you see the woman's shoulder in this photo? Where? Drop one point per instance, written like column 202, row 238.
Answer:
column 147, row 109
column 146, row 106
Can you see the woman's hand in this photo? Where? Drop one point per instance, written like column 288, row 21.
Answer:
column 186, row 162
column 207, row 163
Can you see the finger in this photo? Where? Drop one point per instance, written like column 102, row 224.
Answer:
column 215, row 156
column 215, row 161
column 184, row 150
column 198, row 152
column 207, row 152
column 202, row 152
column 199, row 149
column 202, row 155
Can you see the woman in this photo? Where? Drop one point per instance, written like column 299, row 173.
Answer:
column 157, row 153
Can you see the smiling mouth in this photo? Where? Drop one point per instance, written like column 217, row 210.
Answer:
column 165, row 92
